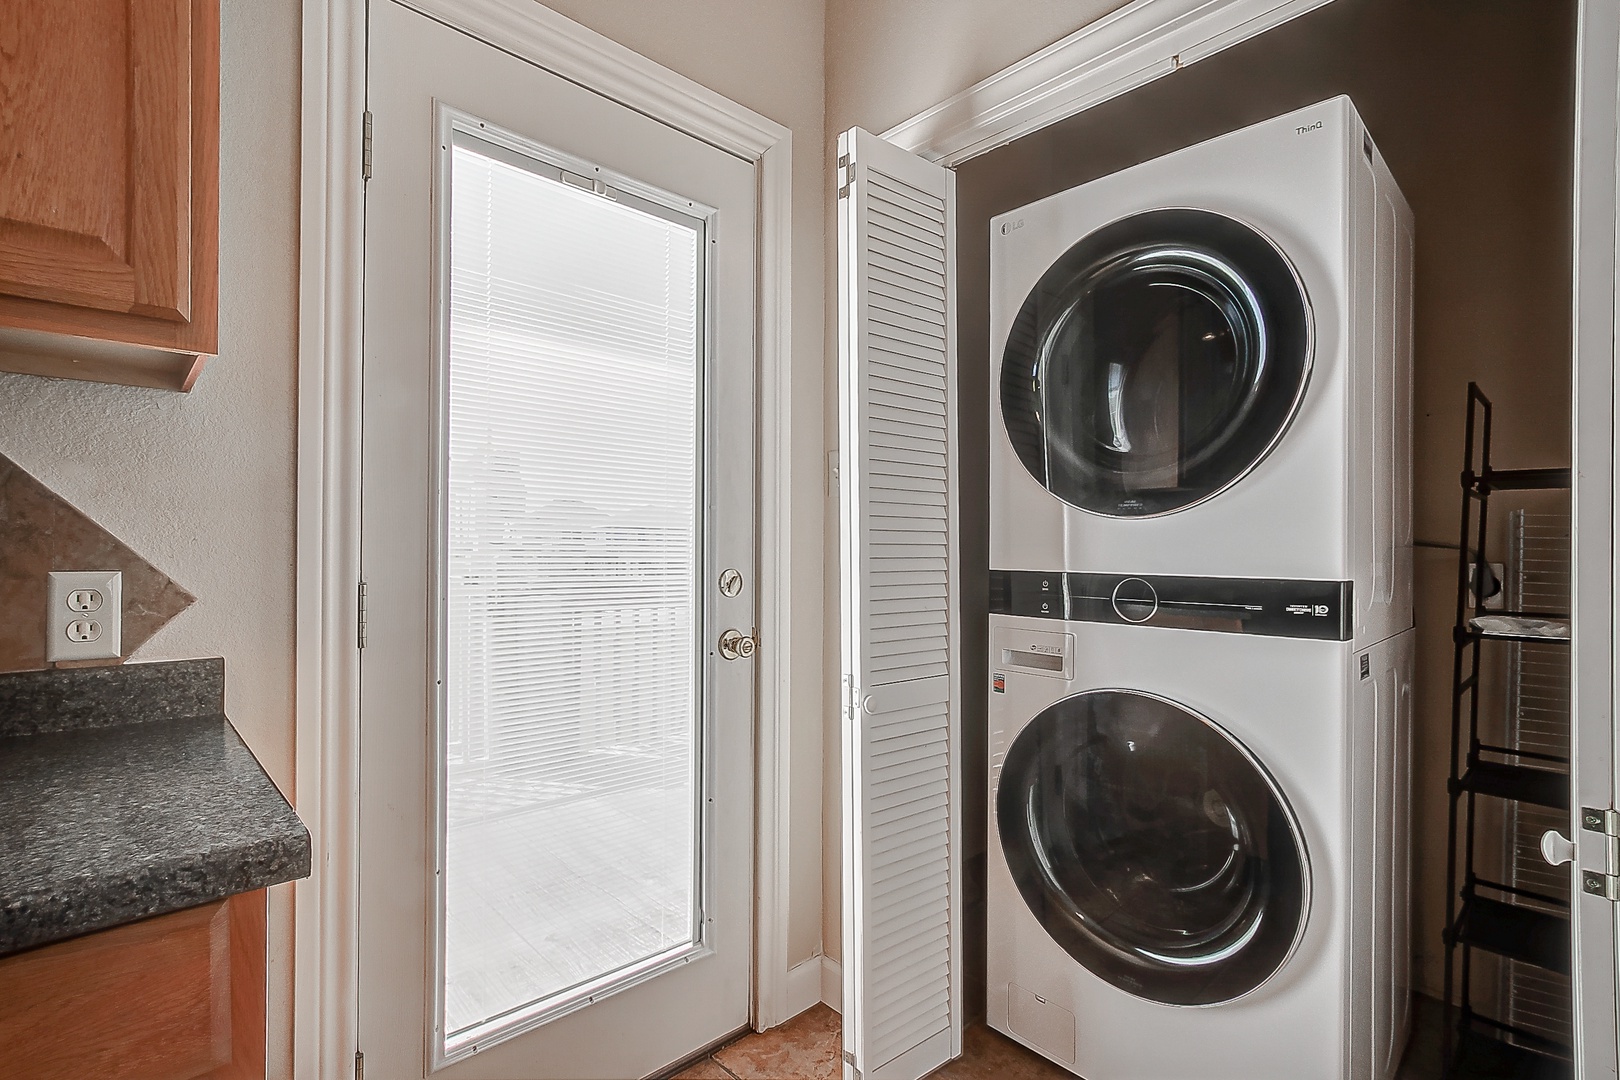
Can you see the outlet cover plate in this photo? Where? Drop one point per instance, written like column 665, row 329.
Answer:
column 84, row 615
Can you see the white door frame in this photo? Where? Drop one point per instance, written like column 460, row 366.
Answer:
column 328, row 537
column 1148, row 39
column 1594, row 578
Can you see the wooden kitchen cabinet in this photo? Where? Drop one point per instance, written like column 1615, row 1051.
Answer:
column 175, row 997
column 109, row 189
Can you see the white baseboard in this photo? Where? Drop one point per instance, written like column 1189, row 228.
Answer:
column 804, row 981
column 832, row 983
column 818, row 980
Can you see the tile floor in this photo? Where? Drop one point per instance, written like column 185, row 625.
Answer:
column 807, row 1048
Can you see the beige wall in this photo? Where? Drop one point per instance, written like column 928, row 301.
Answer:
column 888, row 60
column 202, row 484
column 768, row 56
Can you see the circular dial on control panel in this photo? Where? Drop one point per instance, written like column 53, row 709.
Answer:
column 1135, row 600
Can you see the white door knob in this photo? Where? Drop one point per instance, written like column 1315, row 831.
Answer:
column 1557, row 848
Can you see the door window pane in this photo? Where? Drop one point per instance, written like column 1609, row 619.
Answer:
column 572, row 679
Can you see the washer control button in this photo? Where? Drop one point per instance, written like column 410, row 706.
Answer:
column 1135, row 600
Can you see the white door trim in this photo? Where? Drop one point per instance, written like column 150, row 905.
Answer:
column 330, row 316
column 1119, row 52
column 326, row 793
column 1594, row 582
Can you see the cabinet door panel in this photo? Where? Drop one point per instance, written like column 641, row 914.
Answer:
column 95, row 191
column 175, row 997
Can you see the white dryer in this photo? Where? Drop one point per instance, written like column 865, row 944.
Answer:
column 1201, row 367
column 1199, row 851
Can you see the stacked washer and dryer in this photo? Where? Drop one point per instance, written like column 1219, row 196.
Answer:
column 1201, row 612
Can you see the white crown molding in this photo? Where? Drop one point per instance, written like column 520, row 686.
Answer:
column 560, row 45
column 331, row 318
column 1119, row 52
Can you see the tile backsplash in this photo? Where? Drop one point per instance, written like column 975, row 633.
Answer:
column 40, row 532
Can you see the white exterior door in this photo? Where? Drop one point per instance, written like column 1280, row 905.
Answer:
column 558, row 527
column 902, row 776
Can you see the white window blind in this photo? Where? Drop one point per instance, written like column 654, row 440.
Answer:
column 571, row 546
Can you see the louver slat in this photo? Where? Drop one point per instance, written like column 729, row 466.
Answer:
column 902, row 979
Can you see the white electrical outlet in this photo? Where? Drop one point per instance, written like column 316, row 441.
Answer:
column 84, row 616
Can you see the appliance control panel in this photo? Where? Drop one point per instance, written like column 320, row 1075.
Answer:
column 1035, row 652
column 1268, row 607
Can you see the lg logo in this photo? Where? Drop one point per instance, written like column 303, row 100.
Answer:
column 1011, row 226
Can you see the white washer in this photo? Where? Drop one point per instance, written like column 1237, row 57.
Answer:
column 1201, row 366
column 1198, row 860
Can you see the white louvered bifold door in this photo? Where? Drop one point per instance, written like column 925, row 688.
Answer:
column 902, row 776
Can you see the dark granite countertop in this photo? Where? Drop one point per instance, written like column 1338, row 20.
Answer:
column 126, row 793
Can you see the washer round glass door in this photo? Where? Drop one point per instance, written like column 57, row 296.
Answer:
column 1156, row 363
column 1152, row 847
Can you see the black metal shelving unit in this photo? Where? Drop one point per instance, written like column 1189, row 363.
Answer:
column 1484, row 914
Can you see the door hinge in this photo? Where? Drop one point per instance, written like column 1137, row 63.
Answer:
column 365, row 145
column 852, row 697
column 1605, row 822
column 849, row 1059
column 359, row 1066
column 843, row 176
column 360, row 629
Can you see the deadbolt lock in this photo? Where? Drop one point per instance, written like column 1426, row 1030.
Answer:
column 731, row 582
column 736, row 645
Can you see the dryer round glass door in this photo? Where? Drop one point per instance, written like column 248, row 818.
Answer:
column 1156, row 363
column 1152, row 847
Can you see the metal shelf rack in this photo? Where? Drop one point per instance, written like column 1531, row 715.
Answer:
column 1483, row 914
